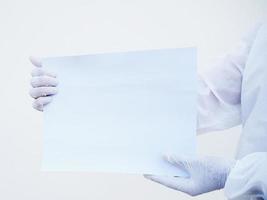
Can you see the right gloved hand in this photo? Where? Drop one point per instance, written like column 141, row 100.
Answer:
column 43, row 85
column 206, row 174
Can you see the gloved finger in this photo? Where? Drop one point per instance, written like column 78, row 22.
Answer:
column 40, row 72
column 44, row 81
column 182, row 162
column 176, row 183
column 43, row 91
column 35, row 61
column 39, row 103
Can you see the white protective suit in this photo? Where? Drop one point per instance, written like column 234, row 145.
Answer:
column 235, row 92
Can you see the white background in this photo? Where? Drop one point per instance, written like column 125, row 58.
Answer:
column 53, row 27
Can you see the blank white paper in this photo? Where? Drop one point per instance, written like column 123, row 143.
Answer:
column 121, row 112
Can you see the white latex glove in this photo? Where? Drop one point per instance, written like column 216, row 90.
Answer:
column 43, row 85
column 205, row 174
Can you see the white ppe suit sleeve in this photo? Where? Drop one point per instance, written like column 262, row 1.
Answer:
column 248, row 178
column 219, row 89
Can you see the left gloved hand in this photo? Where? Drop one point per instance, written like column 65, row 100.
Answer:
column 44, row 85
column 206, row 174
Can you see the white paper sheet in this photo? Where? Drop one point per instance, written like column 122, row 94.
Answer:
column 121, row 112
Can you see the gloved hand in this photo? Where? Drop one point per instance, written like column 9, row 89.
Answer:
column 43, row 85
column 205, row 174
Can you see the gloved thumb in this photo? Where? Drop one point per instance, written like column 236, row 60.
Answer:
column 181, row 162
column 35, row 61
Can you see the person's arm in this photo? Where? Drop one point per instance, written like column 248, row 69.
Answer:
column 218, row 108
column 248, row 179
column 220, row 87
